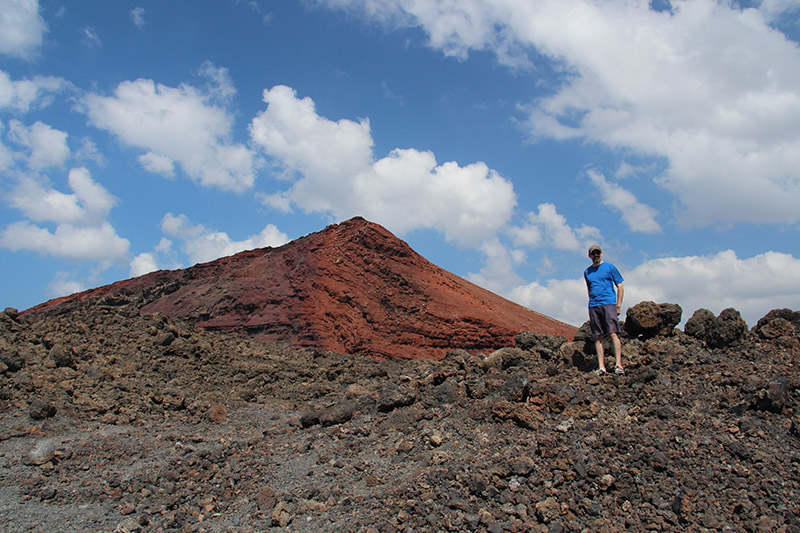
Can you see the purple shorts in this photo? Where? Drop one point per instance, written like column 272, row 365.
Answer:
column 603, row 319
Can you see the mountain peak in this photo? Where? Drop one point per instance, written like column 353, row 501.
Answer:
column 352, row 288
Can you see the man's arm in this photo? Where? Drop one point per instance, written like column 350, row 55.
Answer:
column 620, row 294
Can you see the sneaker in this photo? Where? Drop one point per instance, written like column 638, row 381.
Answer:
column 619, row 370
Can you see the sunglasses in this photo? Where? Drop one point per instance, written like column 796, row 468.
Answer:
column 595, row 253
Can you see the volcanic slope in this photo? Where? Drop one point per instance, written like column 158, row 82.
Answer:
column 351, row 288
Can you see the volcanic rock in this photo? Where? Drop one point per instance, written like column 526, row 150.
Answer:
column 778, row 323
column 719, row 331
column 648, row 319
column 160, row 425
column 351, row 288
column 41, row 409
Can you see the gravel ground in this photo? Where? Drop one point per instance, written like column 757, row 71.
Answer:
column 115, row 421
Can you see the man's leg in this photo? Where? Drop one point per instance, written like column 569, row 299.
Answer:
column 617, row 349
column 598, row 347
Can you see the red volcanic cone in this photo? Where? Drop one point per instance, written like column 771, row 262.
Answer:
column 352, row 288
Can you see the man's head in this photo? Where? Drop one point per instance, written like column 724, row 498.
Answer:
column 595, row 254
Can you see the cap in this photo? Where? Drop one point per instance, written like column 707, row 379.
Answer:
column 594, row 248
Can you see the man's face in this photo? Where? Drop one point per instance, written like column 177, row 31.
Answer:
column 596, row 257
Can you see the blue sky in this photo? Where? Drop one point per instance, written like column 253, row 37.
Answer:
column 498, row 138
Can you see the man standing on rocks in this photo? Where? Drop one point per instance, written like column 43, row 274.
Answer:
column 604, row 306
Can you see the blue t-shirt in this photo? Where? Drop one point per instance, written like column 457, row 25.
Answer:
column 601, row 280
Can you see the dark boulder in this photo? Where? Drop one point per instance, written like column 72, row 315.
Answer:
column 772, row 395
column 584, row 334
column 394, row 396
column 529, row 340
column 61, row 355
column 700, row 324
column 338, row 413
column 10, row 357
column 716, row 332
column 649, row 319
column 778, row 323
column 41, row 409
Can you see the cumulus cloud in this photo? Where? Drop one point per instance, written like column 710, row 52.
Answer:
column 707, row 86
column 96, row 243
column 162, row 256
column 63, row 285
column 499, row 271
column 202, row 244
column 47, row 147
column 21, row 28
column 728, row 130
column 753, row 286
column 563, row 300
column 183, row 126
column 548, row 228
column 333, row 170
column 637, row 216
column 157, row 164
column 774, row 9
column 82, row 230
column 24, row 95
column 142, row 264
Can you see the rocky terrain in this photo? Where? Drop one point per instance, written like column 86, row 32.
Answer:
column 344, row 383
column 116, row 420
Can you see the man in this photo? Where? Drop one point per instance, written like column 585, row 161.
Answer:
column 604, row 306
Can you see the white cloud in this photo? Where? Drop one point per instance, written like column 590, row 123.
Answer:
column 636, row 215
column 62, row 285
column 6, row 157
column 564, row 300
column 137, row 16
column 95, row 242
column 161, row 257
column 548, row 228
column 181, row 125
column 499, row 271
column 82, row 231
column 454, row 27
column 753, row 286
column 334, row 172
column 773, row 9
column 708, row 86
column 202, row 244
column 47, row 146
column 21, row 28
column 142, row 264
column 88, row 152
column 219, row 86
column 23, row 95
column 89, row 203
column 157, row 164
